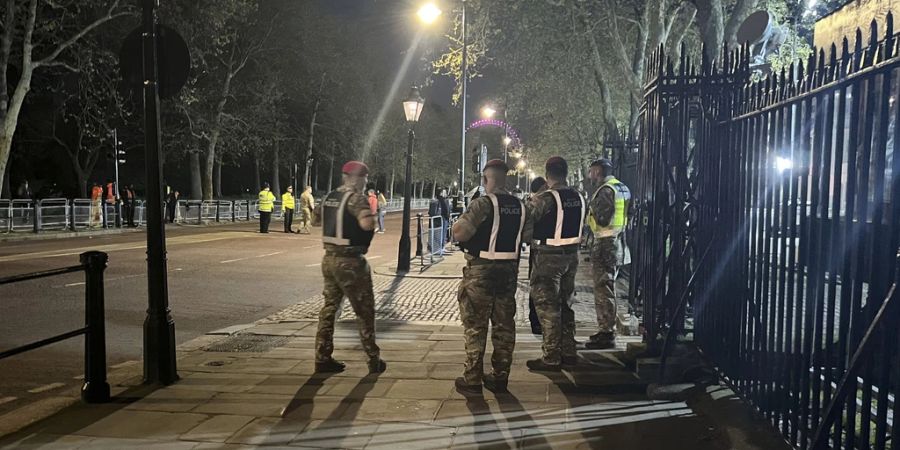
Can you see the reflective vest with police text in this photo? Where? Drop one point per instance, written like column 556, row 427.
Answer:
column 339, row 227
column 562, row 225
column 499, row 236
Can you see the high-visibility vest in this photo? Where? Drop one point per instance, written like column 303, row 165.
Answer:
column 619, row 220
column 562, row 225
column 339, row 226
column 499, row 236
column 287, row 200
column 266, row 201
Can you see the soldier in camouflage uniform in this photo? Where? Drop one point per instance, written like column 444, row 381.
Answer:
column 558, row 216
column 608, row 214
column 490, row 233
column 348, row 225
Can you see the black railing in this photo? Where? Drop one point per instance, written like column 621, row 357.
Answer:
column 95, row 388
column 798, row 178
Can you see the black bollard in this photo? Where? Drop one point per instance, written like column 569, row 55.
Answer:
column 95, row 388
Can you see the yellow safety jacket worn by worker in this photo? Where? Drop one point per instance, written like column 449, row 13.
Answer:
column 287, row 200
column 266, row 201
column 619, row 220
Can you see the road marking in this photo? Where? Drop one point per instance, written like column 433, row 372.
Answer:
column 190, row 239
column 80, row 283
column 373, row 257
column 250, row 257
column 314, row 265
column 6, row 399
column 125, row 277
column 46, row 388
column 311, row 246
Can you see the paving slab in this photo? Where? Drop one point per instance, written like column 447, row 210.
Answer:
column 217, row 428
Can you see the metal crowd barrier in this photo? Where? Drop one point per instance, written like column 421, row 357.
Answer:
column 58, row 214
column 95, row 388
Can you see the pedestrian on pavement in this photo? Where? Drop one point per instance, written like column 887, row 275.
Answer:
column 287, row 208
column 307, row 205
column 490, row 233
column 538, row 185
column 348, row 226
column 265, row 207
column 558, row 215
column 373, row 202
column 96, row 206
column 382, row 209
column 172, row 205
column 128, row 205
column 608, row 216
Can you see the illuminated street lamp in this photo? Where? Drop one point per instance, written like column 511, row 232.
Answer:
column 487, row 112
column 428, row 13
column 412, row 107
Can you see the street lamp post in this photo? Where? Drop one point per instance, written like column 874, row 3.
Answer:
column 159, row 327
column 465, row 61
column 412, row 107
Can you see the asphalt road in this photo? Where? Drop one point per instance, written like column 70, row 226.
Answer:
column 218, row 276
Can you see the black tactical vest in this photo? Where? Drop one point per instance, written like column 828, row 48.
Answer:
column 339, row 227
column 499, row 236
column 562, row 225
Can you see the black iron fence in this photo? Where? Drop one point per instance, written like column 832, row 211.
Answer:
column 95, row 388
column 768, row 224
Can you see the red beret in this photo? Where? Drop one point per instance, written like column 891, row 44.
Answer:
column 496, row 164
column 556, row 161
column 355, row 168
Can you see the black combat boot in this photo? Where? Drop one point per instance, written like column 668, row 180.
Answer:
column 330, row 365
column 494, row 384
column 465, row 388
column 538, row 365
column 570, row 361
column 377, row 365
column 601, row 341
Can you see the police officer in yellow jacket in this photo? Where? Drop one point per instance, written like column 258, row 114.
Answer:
column 265, row 207
column 287, row 208
column 607, row 217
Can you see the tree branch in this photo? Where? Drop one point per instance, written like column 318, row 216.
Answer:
column 5, row 51
column 75, row 38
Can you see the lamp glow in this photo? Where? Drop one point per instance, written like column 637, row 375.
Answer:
column 429, row 13
column 783, row 164
column 507, row 140
column 413, row 105
column 488, row 112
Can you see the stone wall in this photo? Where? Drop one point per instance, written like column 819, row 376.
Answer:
column 855, row 14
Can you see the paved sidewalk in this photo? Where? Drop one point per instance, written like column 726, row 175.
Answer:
column 266, row 394
column 430, row 296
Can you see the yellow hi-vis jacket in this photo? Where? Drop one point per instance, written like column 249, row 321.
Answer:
column 619, row 220
column 266, row 201
column 287, row 200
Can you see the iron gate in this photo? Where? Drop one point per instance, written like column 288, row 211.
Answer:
column 769, row 211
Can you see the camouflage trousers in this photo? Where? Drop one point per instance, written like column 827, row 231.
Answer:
column 487, row 295
column 604, row 265
column 552, row 286
column 305, row 218
column 348, row 276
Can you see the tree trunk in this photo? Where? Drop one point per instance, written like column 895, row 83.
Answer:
column 276, row 183
column 312, row 132
column 256, row 178
column 11, row 118
column 5, row 191
column 218, row 181
column 391, row 192
column 331, row 171
column 711, row 18
column 82, row 183
column 214, row 135
column 196, row 177
column 433, row 188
